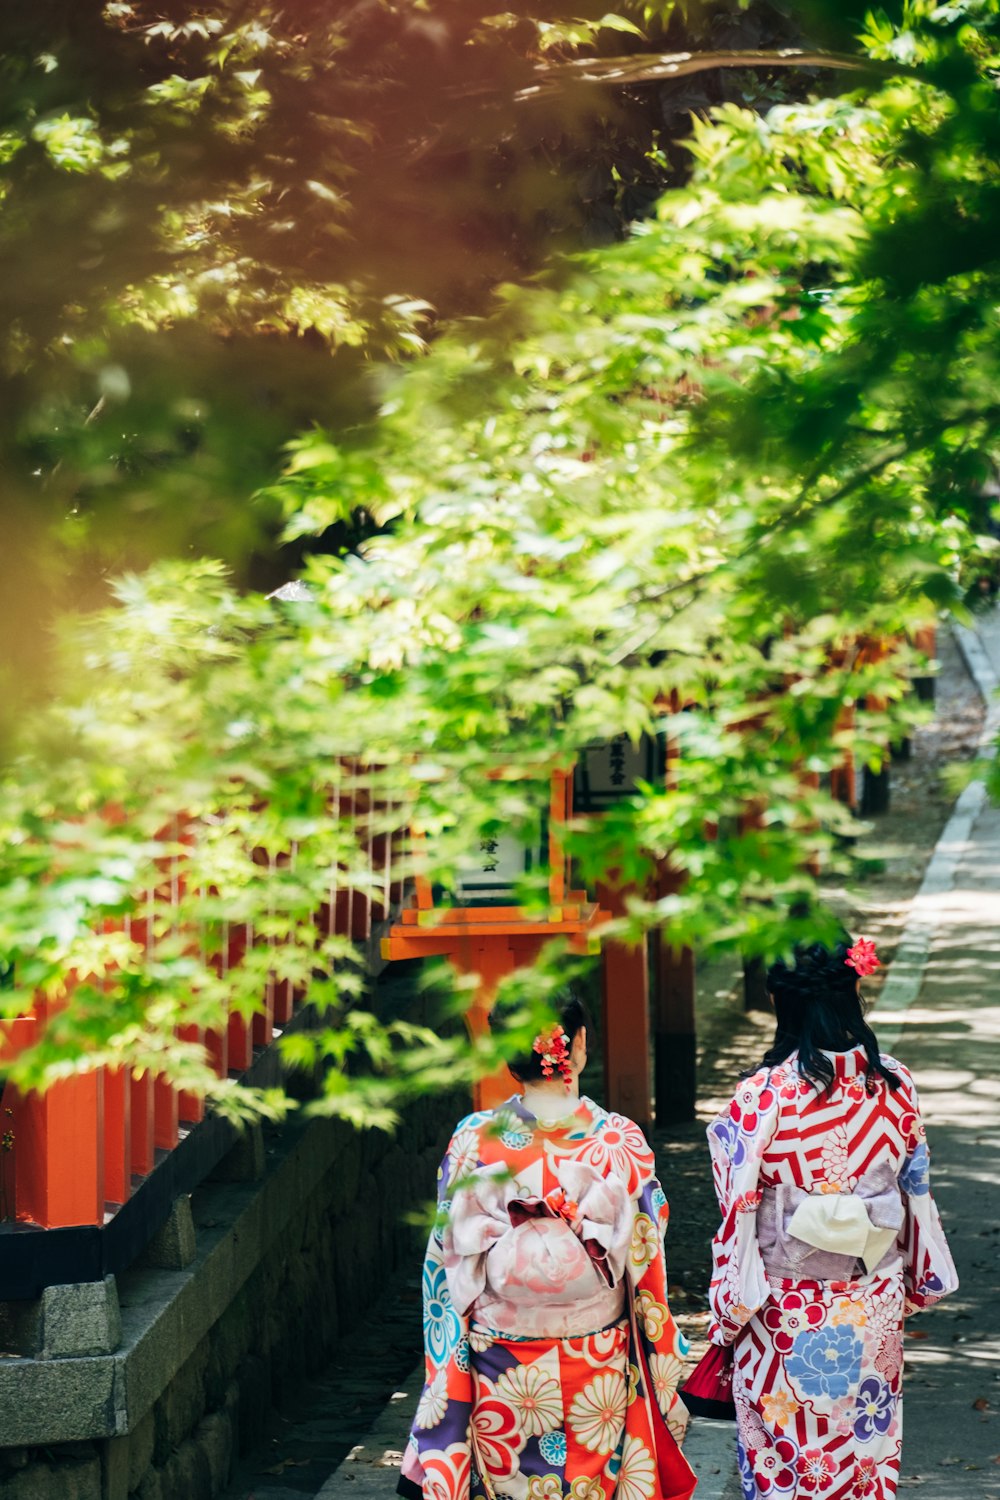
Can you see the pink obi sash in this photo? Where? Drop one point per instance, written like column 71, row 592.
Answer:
column 547, row 1267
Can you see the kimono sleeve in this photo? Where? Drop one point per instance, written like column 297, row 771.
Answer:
column 738, row 1140
column 928, row 1269
column 664, row 1346
column 437, row 1460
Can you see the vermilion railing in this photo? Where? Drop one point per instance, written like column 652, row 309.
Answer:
column 75, row 1154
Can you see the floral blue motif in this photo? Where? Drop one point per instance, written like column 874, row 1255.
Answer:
column 873, row 1409
column 442, row 1329
column 825, row 1361
column 746, row 1472
column 515, row 1140
column 930, row 1284
column 915, row 1176
column 443, row 1215
column 731, row 1137
column 552, row 1447
column 659, row 1199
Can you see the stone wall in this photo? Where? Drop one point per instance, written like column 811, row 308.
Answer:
column 284, row 1254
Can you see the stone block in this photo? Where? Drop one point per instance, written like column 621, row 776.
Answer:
column 151, row 1487
column 21, row 1327
column 246, row 1161
column 187, row 1476
column 173, row 1245
column 182, row 1405
column 254, row 1380
column 217, row 1440
column 80, row 1319
column 79, row 1479
column 140, row 1449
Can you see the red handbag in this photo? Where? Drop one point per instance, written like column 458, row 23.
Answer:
column 708, row 1390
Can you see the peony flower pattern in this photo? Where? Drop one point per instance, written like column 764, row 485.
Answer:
column 825, row 1361
column 793, row 1315
column 874, row 1409
column 915, row 1176
column 597, row 1414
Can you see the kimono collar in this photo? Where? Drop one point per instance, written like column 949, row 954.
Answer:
column 848, row 1064
column 578, row 1111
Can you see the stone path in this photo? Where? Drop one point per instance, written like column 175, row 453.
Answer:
column 940, row 1010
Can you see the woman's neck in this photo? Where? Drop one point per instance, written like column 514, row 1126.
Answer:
column 550, row 1101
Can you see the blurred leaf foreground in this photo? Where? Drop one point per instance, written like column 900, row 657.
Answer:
column 598, row 373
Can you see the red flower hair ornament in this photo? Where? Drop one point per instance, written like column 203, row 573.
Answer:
column 862, row 957
column 552, row 1047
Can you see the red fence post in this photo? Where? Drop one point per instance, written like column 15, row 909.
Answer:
column 117, row 1135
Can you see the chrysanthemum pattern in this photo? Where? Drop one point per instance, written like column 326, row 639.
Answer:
column 597, row 1415
column 545, row 1418
column 665, row 1371
column 620, row 1149
column 637, row 1475
column 434, row 1401
column 536, row 1396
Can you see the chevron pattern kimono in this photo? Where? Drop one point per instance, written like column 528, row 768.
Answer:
column 818, row 1335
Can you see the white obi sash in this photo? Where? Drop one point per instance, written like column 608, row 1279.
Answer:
column 825, row 1235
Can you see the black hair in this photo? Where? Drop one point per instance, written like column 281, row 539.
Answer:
column 571, row 1015
column 817, row 1005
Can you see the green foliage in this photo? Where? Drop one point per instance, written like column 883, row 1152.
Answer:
column 671, row 485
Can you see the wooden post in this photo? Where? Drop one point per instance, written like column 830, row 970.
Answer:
column 59, row 1138
column 117, row 1135
column 491, row 961
column 675, row 1042
column 627, row 1072
column 141, row 1110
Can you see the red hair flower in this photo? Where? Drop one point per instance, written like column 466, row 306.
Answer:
column 862, row 957
column 552, row 1047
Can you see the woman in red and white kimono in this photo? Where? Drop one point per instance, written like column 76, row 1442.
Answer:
column 552, row 1359
column 829, row 1237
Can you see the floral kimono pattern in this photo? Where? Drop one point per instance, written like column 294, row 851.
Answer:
column 552, row 1359
column 817, row 1328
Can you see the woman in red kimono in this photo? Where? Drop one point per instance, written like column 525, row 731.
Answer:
column 552, row 1359
column 829, row 1237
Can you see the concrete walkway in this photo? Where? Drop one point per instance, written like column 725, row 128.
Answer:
column 940, row 1012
